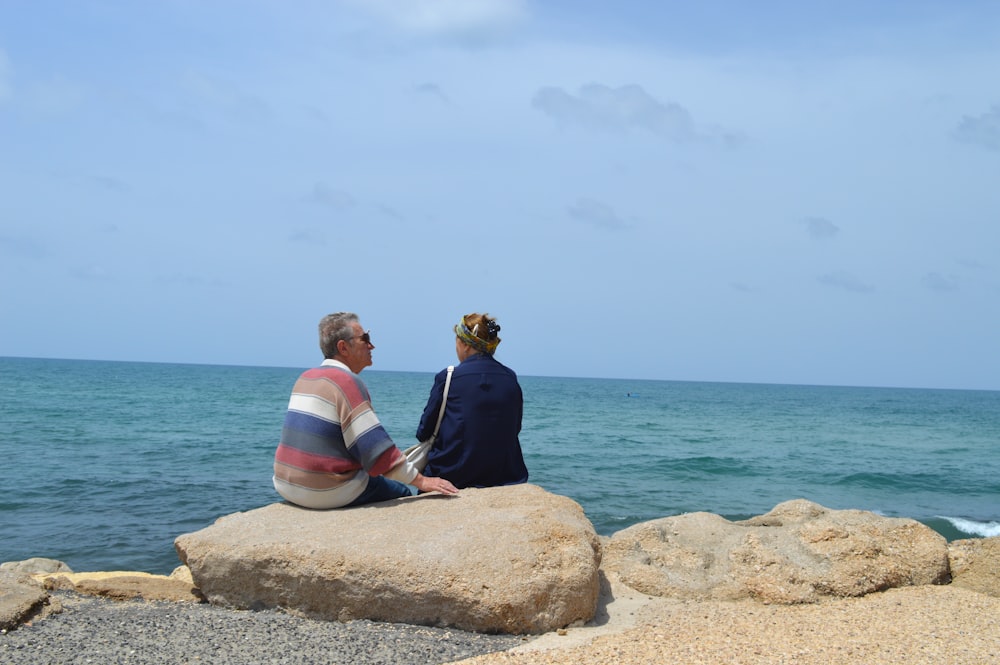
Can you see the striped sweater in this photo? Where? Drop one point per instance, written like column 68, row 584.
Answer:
column 331, row 433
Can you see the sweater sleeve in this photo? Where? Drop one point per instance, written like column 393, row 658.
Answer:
column 400, row 470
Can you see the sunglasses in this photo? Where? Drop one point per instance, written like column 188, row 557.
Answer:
column 365, row 337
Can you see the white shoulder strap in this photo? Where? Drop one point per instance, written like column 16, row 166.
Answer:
column 444, row 400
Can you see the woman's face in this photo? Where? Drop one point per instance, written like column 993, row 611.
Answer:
column 462, row 350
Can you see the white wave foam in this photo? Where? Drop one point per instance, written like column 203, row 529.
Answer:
column 984, row 529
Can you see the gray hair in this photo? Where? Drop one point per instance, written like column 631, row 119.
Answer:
column 333, row 328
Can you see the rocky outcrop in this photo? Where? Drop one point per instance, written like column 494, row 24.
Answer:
column 126, row 585
column 797, row 553
column 975, row 564
column 517, row 560
column 512, row 559
column 35, row 565
column 21, row 599
column 24, row 587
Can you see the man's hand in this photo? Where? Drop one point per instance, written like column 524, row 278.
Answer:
column 428, row 484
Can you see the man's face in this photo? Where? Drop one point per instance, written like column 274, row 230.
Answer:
column 358, row 353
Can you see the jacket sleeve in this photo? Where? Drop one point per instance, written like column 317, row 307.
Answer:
column 428, row 420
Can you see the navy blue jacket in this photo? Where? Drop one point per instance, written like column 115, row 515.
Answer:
column 477, row 445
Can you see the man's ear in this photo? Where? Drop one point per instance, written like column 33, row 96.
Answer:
column 341, row 349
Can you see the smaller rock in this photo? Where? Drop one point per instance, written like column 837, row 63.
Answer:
column 123, row 585
column 975, row 564
column 21, row 599
column 797, row 553
column 182, row 573
column 35, row 565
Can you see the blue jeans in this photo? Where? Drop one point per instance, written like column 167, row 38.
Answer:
column 381, row 489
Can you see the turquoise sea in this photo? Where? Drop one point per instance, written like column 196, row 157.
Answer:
column 105, row 463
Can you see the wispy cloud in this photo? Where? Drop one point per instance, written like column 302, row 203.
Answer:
column 328, row 196
column 307, row 237
column 982, row 130
column 56, row 96
column 5, row 88
column 185, row 279
column 389, row 211
column 625, row 108
column 455, row 18
column 935, row 281
column 227, row 98
column 111, row 183
column 596, row 213
column 971, row 264
column 92, row 273
column 21, row 247
column 842, row 279
column 431, row 90
column 820, row 228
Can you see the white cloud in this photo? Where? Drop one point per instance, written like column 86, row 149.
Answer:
column 619, row 109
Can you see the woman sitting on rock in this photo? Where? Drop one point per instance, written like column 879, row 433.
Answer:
column 477, row 444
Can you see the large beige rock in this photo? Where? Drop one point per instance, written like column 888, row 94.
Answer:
column 512, row 559
column 975, row 564
column 797, row 553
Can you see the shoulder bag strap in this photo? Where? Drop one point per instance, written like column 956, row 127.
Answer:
column 444, row 400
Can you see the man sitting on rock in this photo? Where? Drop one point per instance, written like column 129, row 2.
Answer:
column 334, row 452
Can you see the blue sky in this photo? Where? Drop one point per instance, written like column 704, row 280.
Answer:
column 770, row 192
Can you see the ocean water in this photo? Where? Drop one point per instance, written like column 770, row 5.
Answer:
column 105, row 463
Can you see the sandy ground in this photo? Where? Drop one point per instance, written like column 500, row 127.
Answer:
column 928, row 624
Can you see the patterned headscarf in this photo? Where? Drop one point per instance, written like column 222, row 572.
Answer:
column 479, row 344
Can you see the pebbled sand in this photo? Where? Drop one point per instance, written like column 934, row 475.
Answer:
column 928, row 624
